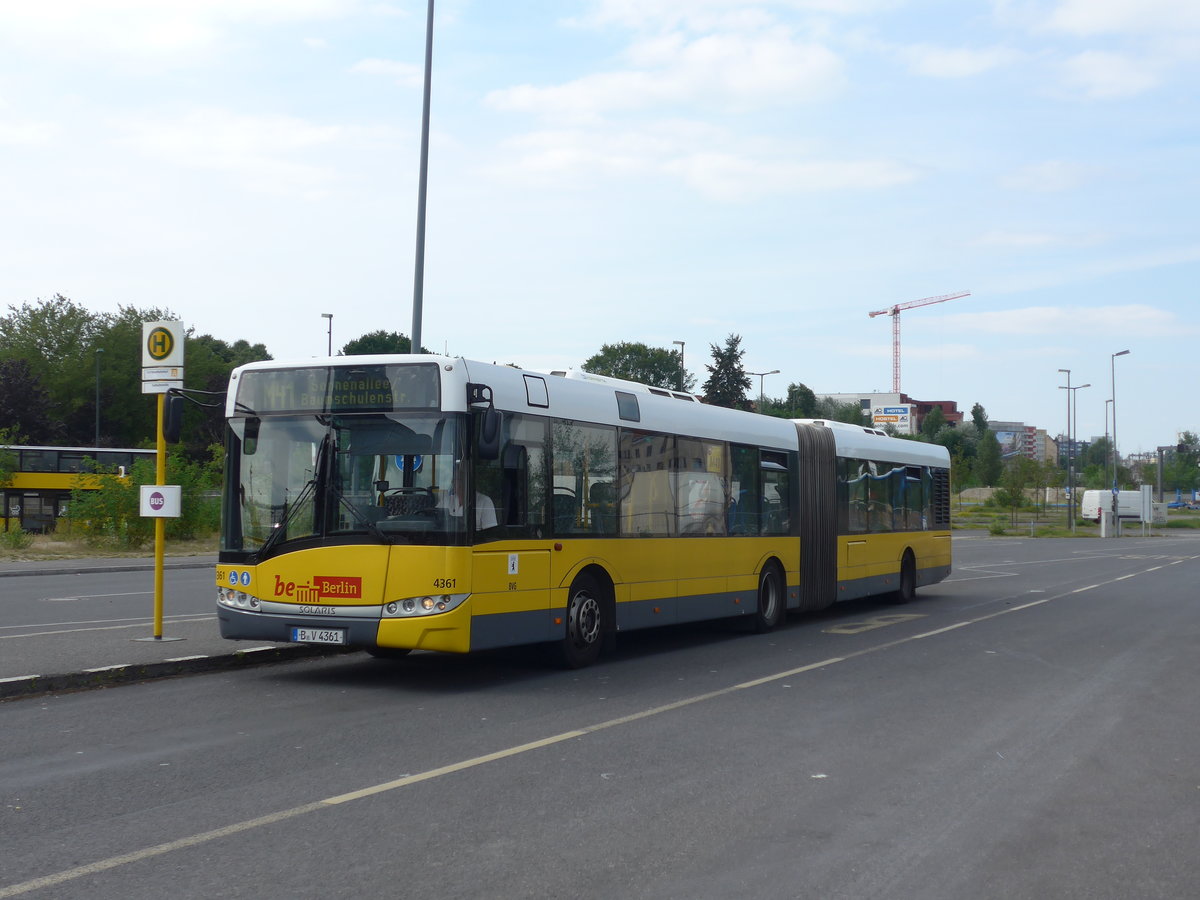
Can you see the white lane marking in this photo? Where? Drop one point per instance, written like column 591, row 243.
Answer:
column 113, row 862
column 96, row 596
column 141, row 624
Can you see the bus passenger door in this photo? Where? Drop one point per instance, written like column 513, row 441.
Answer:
column 510, row 579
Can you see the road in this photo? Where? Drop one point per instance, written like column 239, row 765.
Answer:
column 1026, row 729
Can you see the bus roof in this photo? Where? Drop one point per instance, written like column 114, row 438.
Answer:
column 585, row 397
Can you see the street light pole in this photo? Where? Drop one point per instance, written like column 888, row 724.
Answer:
column 1107, row 404
column 762, row 377
column 1074, row 405
column 682, row 372
column 329, row 348
column 1070, row 486
column 99, row 350
column 1116, row 456
column 422, row 189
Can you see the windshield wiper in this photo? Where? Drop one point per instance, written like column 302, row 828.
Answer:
column 281, row 528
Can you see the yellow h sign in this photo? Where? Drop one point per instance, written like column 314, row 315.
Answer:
column 159, row 344
column 162, row 344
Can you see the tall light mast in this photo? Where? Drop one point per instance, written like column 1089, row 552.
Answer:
column 894, row 312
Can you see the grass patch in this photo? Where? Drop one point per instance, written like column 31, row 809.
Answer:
column 54, row 546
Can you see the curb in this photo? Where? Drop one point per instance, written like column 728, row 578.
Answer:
column 24, row 686
column 86, row 569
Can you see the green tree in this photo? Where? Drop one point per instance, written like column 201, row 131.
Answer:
column 8, row 458
column 800, row 403
column 1020, row 473
column 989, row 466
column 960, row 473
column 379, row 343
column 1181, row 466
column 836, row 411
column 934, row 420
column 635, row 361
column 25, row 404
column 56, row 338
column 979, row 419
column 727, row 379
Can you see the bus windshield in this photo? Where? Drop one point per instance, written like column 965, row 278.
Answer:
column 383, row 478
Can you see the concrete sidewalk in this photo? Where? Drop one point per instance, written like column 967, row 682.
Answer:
column 59, row 659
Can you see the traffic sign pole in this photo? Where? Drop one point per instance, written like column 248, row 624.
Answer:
column 162, row 369
column 160, row 525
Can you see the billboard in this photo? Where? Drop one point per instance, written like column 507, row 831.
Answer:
column 1010, row 443
column 901, row 418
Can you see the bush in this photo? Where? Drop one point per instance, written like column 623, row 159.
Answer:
column 111, row 513
column 996, row 528
column 16, row 538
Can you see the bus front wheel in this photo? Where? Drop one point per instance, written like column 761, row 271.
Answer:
column 771, row 603
column 586, row 623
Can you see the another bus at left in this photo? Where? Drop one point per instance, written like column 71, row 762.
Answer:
column 44, row 477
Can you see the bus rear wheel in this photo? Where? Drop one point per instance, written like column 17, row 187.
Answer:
column 771, row 603
column 587, row 621
column 908, row 579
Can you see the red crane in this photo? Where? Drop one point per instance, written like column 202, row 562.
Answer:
column 894, row 312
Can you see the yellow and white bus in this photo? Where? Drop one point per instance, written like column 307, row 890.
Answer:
column 396, row 503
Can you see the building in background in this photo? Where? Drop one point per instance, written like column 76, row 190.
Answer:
column 898, row 410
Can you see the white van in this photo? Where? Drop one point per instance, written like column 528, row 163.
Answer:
column 1129, row 505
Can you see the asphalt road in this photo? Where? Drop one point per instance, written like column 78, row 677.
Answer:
column 1027, row 729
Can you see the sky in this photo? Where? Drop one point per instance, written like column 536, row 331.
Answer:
column 636, row 170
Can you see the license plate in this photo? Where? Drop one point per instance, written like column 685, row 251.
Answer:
column 319, row 635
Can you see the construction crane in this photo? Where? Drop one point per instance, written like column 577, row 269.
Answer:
column 894, row 312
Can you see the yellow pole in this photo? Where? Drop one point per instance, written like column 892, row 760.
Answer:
column 160, row 524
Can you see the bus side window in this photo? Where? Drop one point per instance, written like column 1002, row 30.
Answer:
column 746, row 494
column 516, row 481
column 775, row 494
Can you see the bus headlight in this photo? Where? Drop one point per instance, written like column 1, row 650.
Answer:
column 428, row 605
column 237, row 599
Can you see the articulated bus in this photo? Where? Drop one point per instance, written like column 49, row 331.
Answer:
column 399, row 503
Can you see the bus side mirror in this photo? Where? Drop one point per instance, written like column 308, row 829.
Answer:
column 172, row 418
column 489, row 434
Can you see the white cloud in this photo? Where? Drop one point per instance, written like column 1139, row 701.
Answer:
column 1096, row 17
column 732, row 70
column 26, row 133
column 949, row 62
column 707, row 14
column 1133, row 320
column 1101, row 75
column 406, row 74
column 261, row 150
column 1049, row 176
column 728, row 177
column 706, row 159
column 145, row 28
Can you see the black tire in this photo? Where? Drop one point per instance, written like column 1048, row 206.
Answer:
column 389, row 652
column 587, row 623
column 908, row 580
column 772, row 599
